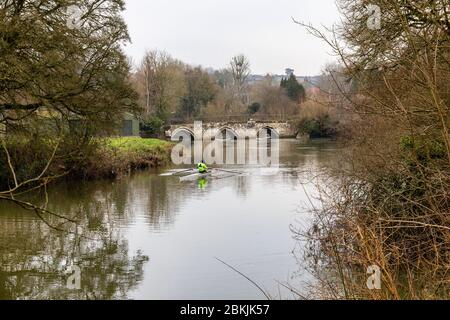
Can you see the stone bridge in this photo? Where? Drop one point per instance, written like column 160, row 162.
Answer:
column 236, row 130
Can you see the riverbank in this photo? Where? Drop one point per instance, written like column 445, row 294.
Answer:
column 114, row 157
column 97, row 159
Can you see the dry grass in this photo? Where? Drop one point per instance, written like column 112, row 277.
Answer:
column 387, row 203
column 389, row 200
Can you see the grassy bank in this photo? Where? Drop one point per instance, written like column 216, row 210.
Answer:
column 93, row 159
column 114, row 157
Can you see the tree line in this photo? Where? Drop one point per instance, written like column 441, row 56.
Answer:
column 170, row 89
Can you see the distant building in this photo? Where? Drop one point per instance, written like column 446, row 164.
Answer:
column 130, row 125
column 289, row 72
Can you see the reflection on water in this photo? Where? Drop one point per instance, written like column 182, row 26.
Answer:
column 153, row 237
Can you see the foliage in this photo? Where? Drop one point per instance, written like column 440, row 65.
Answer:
column 224, row 78
column 421, row 150
column 319, row 127
column 272, row 99
column 387, row 203
column 294, row 90
column 117, row 156
column 160, row 83
column 99, row 158
column 152, row 126
column 168, row 88
column 254, row 108
column 50, row 67
column 125, row 145
column 200, row 90
column 316, row 121
column 227, row 99
column 57, row 70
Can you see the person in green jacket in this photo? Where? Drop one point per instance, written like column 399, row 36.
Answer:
column 202, row 168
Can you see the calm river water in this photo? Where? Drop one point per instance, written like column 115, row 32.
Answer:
column 154, row 237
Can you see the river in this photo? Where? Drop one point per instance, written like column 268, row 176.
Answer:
column 153, row 237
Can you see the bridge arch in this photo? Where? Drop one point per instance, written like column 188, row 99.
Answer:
column 226, row 133
column 268, row 132
column 184, row 132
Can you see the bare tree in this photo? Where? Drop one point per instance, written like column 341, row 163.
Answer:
column 273, row 99
column 388, row 203
column 161, row 83
column 240, row 71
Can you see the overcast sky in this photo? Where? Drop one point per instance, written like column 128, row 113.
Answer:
column 210, row 32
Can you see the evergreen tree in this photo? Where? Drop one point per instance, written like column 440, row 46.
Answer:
column 294, row 90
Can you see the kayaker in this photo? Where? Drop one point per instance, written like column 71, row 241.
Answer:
column 202, row 168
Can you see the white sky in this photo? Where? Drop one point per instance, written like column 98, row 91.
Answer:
column 210, row 32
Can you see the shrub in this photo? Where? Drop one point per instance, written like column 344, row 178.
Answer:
column 315, row 121
column 118, row 156
column 152, row 126
column 254, row 108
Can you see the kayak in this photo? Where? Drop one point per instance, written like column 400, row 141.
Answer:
column 196, row 176
column 193, row 174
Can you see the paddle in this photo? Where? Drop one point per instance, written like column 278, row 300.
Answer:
column 177, row 173
column 230, row 171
